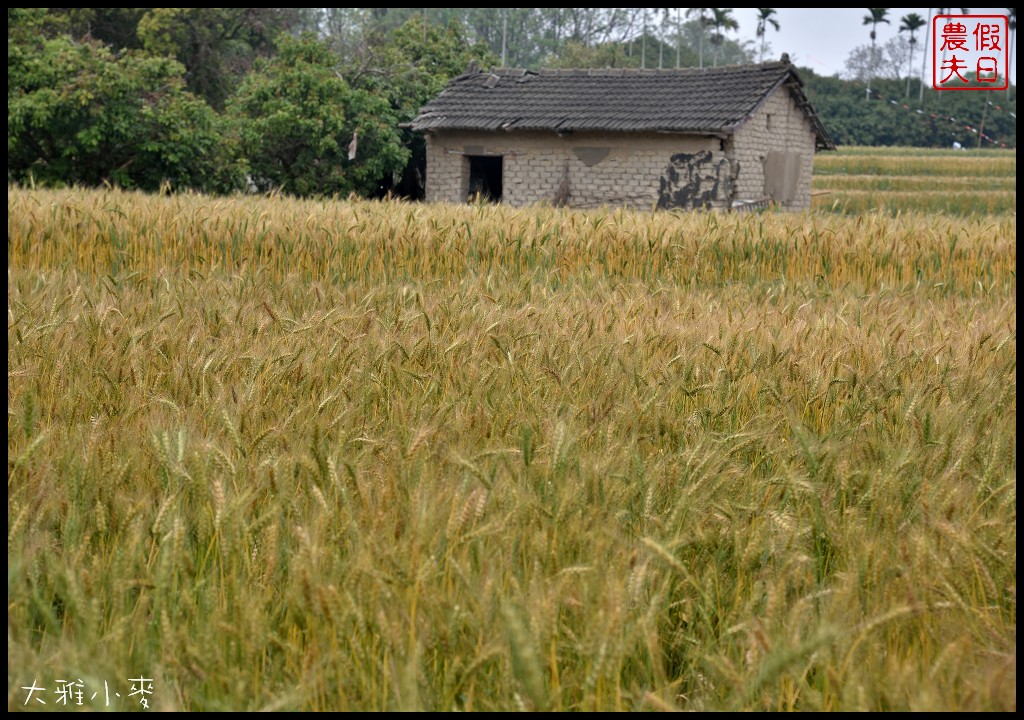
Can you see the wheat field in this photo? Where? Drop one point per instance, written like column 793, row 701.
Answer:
column 858, row 180
column 272, row 454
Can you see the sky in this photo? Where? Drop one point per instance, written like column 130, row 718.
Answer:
column 822, row 38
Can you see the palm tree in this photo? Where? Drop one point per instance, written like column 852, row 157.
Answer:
column 911, row 23
column 764, row 19
column 875, row 16
column 700, row 13
column 722, row 20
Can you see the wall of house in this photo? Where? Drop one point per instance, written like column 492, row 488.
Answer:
column 778, row 138
column 586, row 169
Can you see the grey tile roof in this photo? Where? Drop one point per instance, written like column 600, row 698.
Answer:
column 709, row 100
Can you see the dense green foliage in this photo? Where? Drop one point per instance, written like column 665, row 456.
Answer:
column 78, row 114
column 217, row 46
column 890, row 117
column 418, row 61
column 296, row 117
column 99, row 96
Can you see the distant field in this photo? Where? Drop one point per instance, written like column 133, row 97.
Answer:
column 923, row 152
column 293, row 455
column 959, row 182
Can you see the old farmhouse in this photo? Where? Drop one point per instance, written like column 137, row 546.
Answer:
column 724, row 137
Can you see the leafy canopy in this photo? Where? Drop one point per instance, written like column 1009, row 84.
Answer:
column 296, row 116
column 78, row 114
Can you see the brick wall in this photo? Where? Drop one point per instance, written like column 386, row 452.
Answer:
column 595, row 168
column 778, row 125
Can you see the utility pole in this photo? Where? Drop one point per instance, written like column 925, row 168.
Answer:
column 643, row 43
column 984, row 115
column 679, row 38
column 504, row 33
column 924, row 59
column 661, row 41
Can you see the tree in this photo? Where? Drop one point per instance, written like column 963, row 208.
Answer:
column 217, row 46
column 873, row 18
column 764, row 19
column 407, row 56
column 884, row 61
column 616, row 54
column 854, row 122
column 702, row 19
column 722, row 20
column 296, row 119
column 911, row 23
column 115, row 27
column 410, row 67
column 342, row 29
column 529, row 34
column 730, row 52
column 78, row 114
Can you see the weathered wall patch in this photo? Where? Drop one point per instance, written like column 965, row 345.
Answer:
column 694, row 180
column 591, row 156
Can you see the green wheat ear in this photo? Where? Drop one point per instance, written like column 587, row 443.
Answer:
column 526, row 662
column 526, row 446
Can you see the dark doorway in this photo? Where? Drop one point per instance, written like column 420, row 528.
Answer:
column 485, row 178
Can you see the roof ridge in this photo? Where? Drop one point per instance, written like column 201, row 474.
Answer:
column 611, row 71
